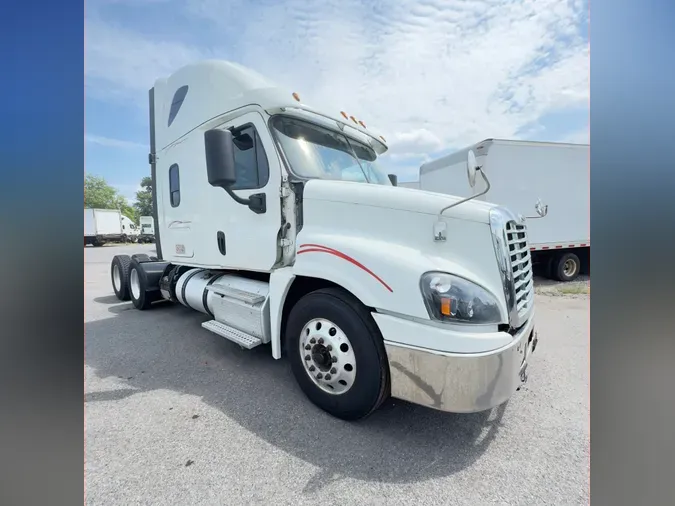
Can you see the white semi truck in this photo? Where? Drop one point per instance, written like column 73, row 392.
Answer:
column 546, row 182
column 276, row 221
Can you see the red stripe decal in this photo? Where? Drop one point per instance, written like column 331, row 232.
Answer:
column 582, row 245
column 571, row 246
column 559, row 246
column 532, row 249
column 317, row 248
column 544, row 247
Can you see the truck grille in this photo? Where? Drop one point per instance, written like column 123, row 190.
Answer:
column 521, row 265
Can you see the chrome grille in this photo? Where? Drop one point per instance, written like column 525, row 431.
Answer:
column 509, row 237
column 521, row 265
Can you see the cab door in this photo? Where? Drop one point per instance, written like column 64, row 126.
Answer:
column 230, row 234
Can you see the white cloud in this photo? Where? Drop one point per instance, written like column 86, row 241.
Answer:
column 428, row 76
column 114, row 143
column 122, row 65
column 413, row 141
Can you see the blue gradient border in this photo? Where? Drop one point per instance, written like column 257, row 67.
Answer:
column 41, row 150
column 633, row 236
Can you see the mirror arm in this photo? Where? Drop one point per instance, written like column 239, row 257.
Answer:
column 487, row 189
column 236, row 198
column 256, row 202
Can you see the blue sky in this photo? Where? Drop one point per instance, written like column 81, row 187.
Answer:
column 432, row 76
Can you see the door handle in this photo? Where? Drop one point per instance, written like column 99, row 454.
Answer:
column 221, row 242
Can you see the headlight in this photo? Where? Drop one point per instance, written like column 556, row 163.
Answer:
column 449, row 298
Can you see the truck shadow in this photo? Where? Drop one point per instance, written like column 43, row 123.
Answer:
column 165, row 348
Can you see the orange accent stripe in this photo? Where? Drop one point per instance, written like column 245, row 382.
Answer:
column 317, row 248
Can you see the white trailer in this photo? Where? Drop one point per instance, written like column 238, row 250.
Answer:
column 147, row 229
column 547, row 183
column 101, row 226
column 275, row 221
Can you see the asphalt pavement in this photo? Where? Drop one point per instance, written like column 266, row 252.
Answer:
column 177, row 415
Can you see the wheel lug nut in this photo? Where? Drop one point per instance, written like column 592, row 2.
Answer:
column 321, row 340
column 308, row 347
column 333, row 370
column 327, row 376
column 307, row 357
column 312, row 368
column 329, row 348
column 319, row 376
column 312, row 340
column 334, row 359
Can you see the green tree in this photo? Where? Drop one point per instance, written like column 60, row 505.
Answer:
column 98, row 194
column 143, row 204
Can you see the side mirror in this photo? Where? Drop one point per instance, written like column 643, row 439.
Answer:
column 220, row 166
column 394, row 179
column 221, row 171
column 471, row 166
column 541, row 208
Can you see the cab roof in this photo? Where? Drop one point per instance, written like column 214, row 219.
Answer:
column 200, row 92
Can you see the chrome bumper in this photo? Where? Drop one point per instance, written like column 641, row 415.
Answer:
column 460, row 383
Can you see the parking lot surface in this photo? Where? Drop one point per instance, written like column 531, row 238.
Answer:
column 177, row 415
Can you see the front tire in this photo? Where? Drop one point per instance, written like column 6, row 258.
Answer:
column 337, row 354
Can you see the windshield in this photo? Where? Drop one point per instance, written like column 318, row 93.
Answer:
column 321, row 153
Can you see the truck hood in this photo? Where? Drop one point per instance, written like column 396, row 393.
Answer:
column 395, row 197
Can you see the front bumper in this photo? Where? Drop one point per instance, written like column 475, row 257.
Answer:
column 460, row 382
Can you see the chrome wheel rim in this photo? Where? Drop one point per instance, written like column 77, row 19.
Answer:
column 327, row 356
column 570, row 268
column 135, row 284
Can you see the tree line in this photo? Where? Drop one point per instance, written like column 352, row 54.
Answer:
column 98, row 194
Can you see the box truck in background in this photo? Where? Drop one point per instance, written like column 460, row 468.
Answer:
column 546, row 183
column 130, row 231
column 101, row 226
column 147, row 229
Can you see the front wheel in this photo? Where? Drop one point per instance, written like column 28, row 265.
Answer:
column 337, row 354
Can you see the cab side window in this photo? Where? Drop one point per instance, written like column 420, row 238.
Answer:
column 250, row 159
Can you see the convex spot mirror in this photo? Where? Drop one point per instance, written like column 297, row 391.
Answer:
column 471, row 168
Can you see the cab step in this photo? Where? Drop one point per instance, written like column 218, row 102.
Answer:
column 236, row 336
